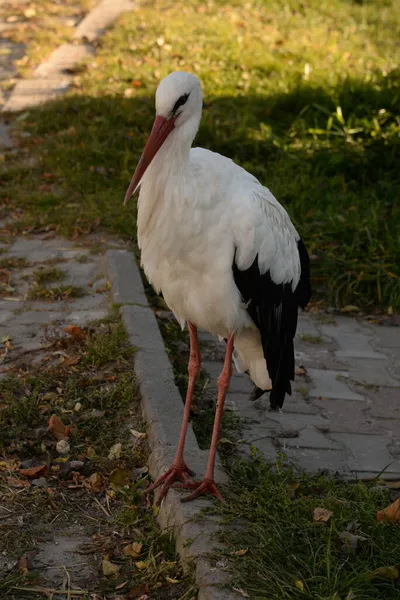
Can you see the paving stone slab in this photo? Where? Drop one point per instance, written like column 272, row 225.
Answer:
column 387, row 337
column 345, row 416
column 100, row 18
column 33, row 92
column 331, row 384
column 63, row 59
column 318, row 460
column 378, row 373
column 368, row 454
column 384, row 405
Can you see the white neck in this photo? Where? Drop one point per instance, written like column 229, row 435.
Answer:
column 167, row 180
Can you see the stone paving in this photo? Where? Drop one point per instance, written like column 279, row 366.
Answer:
column 26, row 324
column 344, row 414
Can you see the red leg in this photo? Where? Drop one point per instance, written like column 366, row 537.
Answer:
column 179, row 469
column 207, row 484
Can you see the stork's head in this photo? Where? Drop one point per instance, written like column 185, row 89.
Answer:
column 178, row 108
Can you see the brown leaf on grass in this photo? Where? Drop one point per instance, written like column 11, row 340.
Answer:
column 18, row 483
column 75, row 332
column 94, row 483
column 138, row 434
column 322, row 515
column 142, row 565
column 120, row 478
column 70, row 361
column 58, row 430
column 138, row 591
column 23, row 565
column 9, row 465
column 241, row 552
column 33, row 472
column 350, row 308
column 170, row 580
column 390, row 513
column 300, row 371
column 133, row 549
column 108, row 568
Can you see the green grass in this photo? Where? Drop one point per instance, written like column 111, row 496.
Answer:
column 14, row 263
column 288, row 555
column 304, row 95
column 60, row 292
column 312, row 339
column 102, row 382
column 48, row 275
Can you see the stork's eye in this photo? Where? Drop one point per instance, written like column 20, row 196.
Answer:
column 180, row 102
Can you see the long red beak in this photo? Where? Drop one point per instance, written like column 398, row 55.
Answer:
column 160, row 131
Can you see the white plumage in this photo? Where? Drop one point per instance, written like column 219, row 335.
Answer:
column 195, row 207
column 202, row 222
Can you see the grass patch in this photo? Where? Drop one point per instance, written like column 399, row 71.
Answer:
column 305, row 96
column 60, row 292
column 291, row 556
column 14, row 262
column 48, row 275
column 92, row 388
column 312, row 339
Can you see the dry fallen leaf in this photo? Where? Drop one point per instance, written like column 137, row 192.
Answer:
column 390, row 513
column 393, row 485
column 350, row 308
column 9, row 465
column 322, row 515
column 139, row 591
column 170, row 580
column 94, row 483
column 58, row 430
column 300, row 371
column 142, row 565
column 120, row 478
column 23, row 565
column 391, row 573
column 33, row 472
column 241, row 592
column 138, row 434
column 108, row 568
column 115, row 451
column 133, row 549
column 76, row 332
column 69, row 361
column 240, row 552
column 299, row 585
column 19, row 483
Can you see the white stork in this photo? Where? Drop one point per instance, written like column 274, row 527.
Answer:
column 225, row 256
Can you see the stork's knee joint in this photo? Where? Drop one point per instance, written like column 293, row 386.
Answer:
column 223, row 382
column 194, row 365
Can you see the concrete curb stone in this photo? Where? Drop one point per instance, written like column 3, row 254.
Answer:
column 52, row 77
column 162, row 409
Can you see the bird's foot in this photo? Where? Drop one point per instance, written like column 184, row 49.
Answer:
column 204, row 487
column 175, row 473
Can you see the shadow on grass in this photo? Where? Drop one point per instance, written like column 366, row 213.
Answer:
column 332, row 160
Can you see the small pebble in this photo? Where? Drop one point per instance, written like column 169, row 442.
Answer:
column 40, row 482
column 62, row 447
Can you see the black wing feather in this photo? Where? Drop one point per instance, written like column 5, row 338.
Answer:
column 274, row 309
